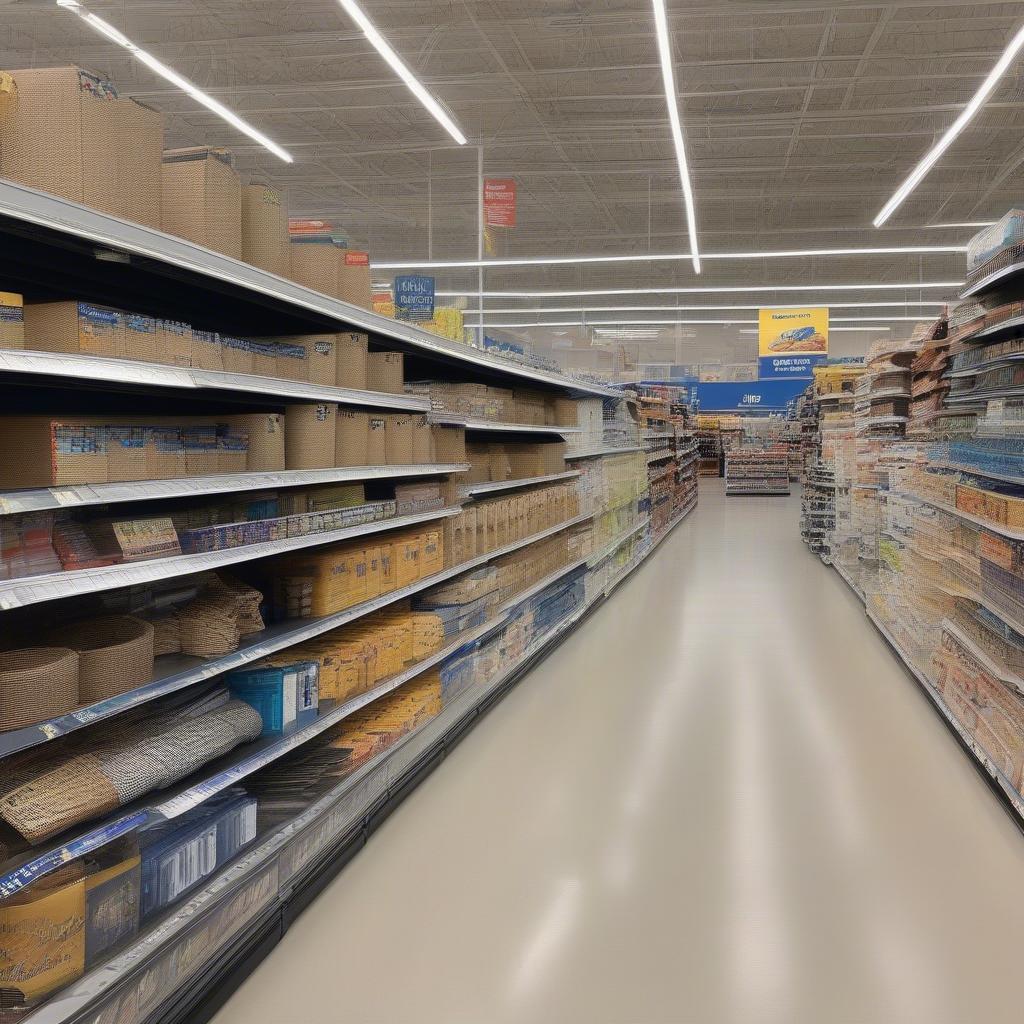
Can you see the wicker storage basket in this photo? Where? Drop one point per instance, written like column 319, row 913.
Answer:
column 209, row 627
column 309, row 436
column 35, row 684
column 247, row 602
column 351, row 360
column 398, row 440
column 115, row 654
column 265, row 431
column 353, row 438
column 384, row 372
column 265, row 229
column 166, row 634
column 376, row 445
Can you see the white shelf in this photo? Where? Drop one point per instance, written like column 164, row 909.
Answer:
column 175, row 672
column 990, row 279
column 30, row 365
column 1001, row 672
column 617, row 542
column 518, row 428
column 593, row 453
column 30, row 206
column 27, row 590
column 543, row 584
column 662, row 453
column 509, row 485
column 144, row 490
column 988, row 524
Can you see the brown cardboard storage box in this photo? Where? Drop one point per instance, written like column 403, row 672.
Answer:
column 291, row 359
column 45, row 451
column 376, row 448
column 322, row 350
column 313, row 263
column 265, row 230
column 398, row 440
column 66, row 133
column 309, row 436
column 265, row 431
column 174, row 343
column 422, row 440
column 139, row 338
column 353, row 281
column 352, row 360
column 449, row 444
column 74, row 327
column 384, row 372
column 353, row 438
column 12, row 320
column 202, row 199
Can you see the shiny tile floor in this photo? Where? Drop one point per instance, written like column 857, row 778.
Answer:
column 720, row 800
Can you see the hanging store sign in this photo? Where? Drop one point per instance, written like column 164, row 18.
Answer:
column 499, row 202
column 746, row 396
column 414, row 297
column 791, row 342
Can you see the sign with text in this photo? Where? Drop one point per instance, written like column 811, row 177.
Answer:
column 414, row 297
column 747, row 396
column 500, row 202
column 791, row 342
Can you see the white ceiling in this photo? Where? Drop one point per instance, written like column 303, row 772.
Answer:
column 801, row 119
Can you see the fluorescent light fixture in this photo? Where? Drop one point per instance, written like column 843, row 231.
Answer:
column 668, row 79
column 724, row 323
column 172, row 76
column 912, row 286
column 383, row 47
column 554, row 261
column 930, row 158
column 754, row 330
column 690, row 309
column 964, row 224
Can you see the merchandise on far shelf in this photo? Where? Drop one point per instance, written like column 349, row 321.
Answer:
column 754, row 469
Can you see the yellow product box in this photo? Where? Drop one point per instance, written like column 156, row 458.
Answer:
column 433, row 553
column 374, row 572
column 427, row 634
column 12, row 320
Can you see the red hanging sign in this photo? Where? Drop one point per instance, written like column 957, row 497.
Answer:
column 357, row 259
column 500, row 202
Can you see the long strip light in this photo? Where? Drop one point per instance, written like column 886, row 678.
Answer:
column 690, row 309
column 554, row 261
column 912, row 286
column 725, row 323
column 866, row 327
column 172, row 76
column 400, row 68
column 668, row 79
column 930, row 158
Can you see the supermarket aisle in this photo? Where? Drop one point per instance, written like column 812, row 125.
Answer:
column 721, row 800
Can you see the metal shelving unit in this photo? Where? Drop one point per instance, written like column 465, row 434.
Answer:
column 496, row 486
column 593, row 453
column 82, row 495
column 487, row 426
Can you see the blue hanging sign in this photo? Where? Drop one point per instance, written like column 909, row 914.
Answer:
column 414, row 297
column 747, row 395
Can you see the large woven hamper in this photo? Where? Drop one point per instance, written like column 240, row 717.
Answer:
column 309, row 436
column 115, row 654
column 265, row 230
column 353, row 438
column 35, row 684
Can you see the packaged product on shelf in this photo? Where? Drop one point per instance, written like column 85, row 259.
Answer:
column 37, row 683
column 265, row 440
column 68, row 133
column 132, row 540
column 265, row 229
column 417, row 497
column 398, row 440
column 165, row 452
column 422, row 440
column 201, row 198
column 352, row 357
column 353, row 280
column 236, row 354
column 376, row 443
column 12, row 320
column 352, row 438
column 322, row 351
column 384, row 372
column 115, row 654
column 264, row 358
column 199, row 442
column 449, row 444
column 292, row 359
column 74, row 327
column 139, row 339
column 310, row 434
column 174, row 343
column 286, row 696
column 232, row 450
column 206, row 351
column 313, row 262
column 43, row 451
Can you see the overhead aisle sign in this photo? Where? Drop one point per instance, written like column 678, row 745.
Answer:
column 747, row 396
column 791, row 342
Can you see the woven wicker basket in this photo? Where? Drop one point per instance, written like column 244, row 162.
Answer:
column 166, row 634
column 247, row 601
column 115, row 654
column 209, row 627
column 35, row 684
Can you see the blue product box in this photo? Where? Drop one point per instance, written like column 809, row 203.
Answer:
column 286, row 696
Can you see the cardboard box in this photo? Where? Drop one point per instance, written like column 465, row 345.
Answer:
column 265, row 230
column 352, row 438
column 313, row 263
column 291, row 359
column 309, row 436
column 384, row 372
column 68, row 134
column 174, row 343
column 236, row 354
column 376, row 448
column 74, row 327
column 201, row 198
column 353, row 278
column 322, row 355
column 139, row 338
column 206, row 351
column 351, row 361
column 12, row 320
column 265, row 434
column 398, row 440
column 45, row 451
